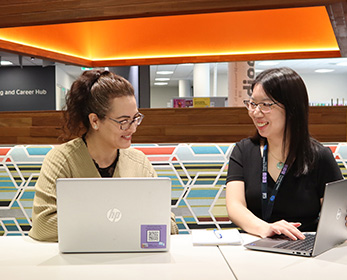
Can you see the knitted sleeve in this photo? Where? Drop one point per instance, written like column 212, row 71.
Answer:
column 44, row 216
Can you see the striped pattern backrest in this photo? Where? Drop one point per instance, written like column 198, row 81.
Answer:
column 197, row 171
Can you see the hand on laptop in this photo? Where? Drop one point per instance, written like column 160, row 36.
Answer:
column 285, row 228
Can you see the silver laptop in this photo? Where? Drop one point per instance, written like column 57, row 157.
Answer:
column 114, row 214
column 331, row 229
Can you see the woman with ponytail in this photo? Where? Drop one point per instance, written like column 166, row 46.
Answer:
column 102, row 114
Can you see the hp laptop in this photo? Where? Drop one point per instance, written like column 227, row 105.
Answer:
column 331, row 229
column 113, row 214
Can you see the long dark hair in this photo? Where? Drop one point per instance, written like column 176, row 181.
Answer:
column 285, row 86
column 92, row 93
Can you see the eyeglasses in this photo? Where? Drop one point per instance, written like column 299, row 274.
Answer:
column 126, row 124
column 265, row 107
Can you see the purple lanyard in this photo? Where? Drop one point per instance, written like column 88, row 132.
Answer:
column 268, row 204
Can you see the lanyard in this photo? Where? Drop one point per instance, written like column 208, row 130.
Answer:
column 267, row 204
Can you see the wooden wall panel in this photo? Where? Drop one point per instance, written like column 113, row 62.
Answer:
column 182, row 125
column 15, row 122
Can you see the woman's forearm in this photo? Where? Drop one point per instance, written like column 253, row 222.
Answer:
column 245, row 219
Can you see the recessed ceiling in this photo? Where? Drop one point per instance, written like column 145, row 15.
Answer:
column 230, row 36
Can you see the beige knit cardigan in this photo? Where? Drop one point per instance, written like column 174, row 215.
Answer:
column 72, row 160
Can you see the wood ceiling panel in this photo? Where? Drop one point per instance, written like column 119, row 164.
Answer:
column 338, row 14
column 40, row 12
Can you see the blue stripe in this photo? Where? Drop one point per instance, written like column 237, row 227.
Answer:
column 203, row 182
column 28, row 195
column 206, row 150
column 202, row 193
column 6, row 184
column 38, row 151
column 224, row 148
column 200, row 202
column 187, row 219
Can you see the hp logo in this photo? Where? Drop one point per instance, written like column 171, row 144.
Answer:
column 338, row 214
column 114, row 215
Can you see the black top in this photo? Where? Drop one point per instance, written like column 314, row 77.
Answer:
column 106, row 171
column 298, row 199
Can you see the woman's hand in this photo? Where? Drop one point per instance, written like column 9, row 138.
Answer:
column 244, row 218
column 285, row 228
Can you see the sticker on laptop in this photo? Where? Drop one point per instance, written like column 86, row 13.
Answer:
column 153, row 236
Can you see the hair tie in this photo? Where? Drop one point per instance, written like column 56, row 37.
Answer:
column 96, row 77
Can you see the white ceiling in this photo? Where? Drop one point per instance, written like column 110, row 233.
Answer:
column 302, row 66
column 185, row 71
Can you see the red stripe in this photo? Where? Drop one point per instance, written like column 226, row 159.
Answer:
column 333, row 148
column 4, row 151
column 226, row 219
column 156, row 150
column 205, row 219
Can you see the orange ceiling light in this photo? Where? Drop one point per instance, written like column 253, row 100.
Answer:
column 231, row 36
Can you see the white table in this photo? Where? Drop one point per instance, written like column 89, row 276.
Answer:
column 24, row 258
column 248, row 264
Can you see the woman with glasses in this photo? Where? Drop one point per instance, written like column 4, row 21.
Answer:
column 276, row 178
column 101, row 107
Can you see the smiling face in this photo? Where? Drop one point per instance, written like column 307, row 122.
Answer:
column 122, row 108
column 270, row 125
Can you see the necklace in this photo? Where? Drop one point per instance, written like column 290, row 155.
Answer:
column 279, row 164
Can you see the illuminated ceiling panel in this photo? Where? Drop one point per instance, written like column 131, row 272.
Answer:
column 282, row 33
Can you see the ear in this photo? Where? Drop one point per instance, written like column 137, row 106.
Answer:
column 94, row 121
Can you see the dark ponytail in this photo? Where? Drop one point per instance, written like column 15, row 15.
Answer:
column 92, row 93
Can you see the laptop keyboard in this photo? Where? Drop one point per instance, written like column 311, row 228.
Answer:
column 301, row 245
